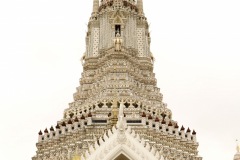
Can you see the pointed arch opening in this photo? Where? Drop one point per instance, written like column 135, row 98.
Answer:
column 122, row 157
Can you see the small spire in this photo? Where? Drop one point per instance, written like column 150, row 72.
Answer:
column 188, row 130
column 143, row 115
column 82, row 117
column 51, row 129
column 176, row 125
column 90, row 114
column 182, row 128
column 149, row 117
column 46, row 131
column 163, row 121
column 76, row 120
column 69, row 122
column 157, row 119
column 40, row 132
column 57, row 126
column 64, row 124
column 170, row 123
column 194, row 132
column 95, row 6
column 140, row 6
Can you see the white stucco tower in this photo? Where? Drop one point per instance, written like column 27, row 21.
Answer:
column 117, row 112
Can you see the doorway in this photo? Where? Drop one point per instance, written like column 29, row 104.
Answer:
column 121, row 157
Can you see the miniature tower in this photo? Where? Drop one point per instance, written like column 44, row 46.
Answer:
column 117, row 73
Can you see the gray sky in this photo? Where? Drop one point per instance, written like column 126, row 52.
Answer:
column 196, row 45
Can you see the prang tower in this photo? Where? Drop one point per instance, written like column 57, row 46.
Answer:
column 117, row 112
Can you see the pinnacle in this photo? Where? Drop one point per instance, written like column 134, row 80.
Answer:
column 76, row 120
column 176, row 125
column 194, row 132
column 51, row 129
column 170, row 123
column 150, row 117
column 57, row 126
column 143, row 114
column 46, row 130
column 40, row 132
column 64, row 124
column 82, row 117
column 90, row 114
column 69, row 122
column 163, row 121
column 182, row 128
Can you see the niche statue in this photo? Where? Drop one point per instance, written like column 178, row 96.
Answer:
column 118, row 42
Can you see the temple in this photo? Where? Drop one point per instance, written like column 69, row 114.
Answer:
column 118, row 111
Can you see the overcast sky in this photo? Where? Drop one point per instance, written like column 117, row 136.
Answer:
column 196, row 45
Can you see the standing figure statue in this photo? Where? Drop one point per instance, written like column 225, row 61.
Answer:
column 118, row 42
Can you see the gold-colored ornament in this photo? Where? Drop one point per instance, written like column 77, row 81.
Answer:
column 76, row 157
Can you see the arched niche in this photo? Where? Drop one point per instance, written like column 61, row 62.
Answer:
column 122, row 151
column 122, row 157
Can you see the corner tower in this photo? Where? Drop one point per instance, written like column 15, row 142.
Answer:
column 117, row 96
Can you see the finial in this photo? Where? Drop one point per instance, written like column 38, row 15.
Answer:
column 95, row 6
column 150, row 117
column 121, row 114
column 40, row 132
column 163, row 121
column 89, row 114
column 176, row 126
column 69, row 122
column 46, row 131
column 194, row 132
column 121, row 123
column 82, row 117
column 64, row 124
column 157, row 119
column 51, row 129
column 76, row 119
column 57, row 126
column 182, row 128
column 140, row 6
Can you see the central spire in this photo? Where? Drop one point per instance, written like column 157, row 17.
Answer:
column 117, row 87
